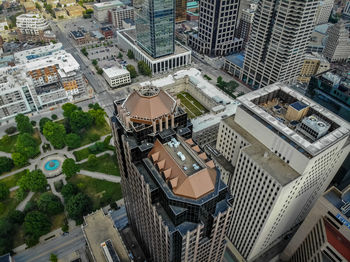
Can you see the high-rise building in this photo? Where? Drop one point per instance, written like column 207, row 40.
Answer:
column 313, row 64
column 177, row 205
column 155, row 26
column 325, row 233
column 285, row 149
column 117, row 15
column 216, row 28
column 346, row 10
column 337, row 46
column 279, row 37
column 181, row 9
column 245, row 23
column 324, row 11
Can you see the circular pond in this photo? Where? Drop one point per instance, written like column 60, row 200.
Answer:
column 52, row 165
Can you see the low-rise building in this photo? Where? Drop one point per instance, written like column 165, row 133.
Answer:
column 53, row 3
column 80, row 36
column 3, row 24
column 31, row 24
column 101, row 9
column 117, row 15
column 29, row 7
column 318, row 38
column 313, row 64
column 106, row 31
column 75, row 10
column 116, row 76
column 66, row 3
column 60, row 13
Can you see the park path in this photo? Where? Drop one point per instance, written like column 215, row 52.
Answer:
column 110, row 152
column 23, row 204
column 5, row 154
column 101, row 176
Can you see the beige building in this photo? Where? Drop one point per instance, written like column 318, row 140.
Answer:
column 325, row 233
column 65, row 3
column 117, row 15
column 60, row 13
column 75, row 10
column 313, row 64
column 29, row 6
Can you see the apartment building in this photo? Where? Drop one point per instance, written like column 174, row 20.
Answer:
column 31, row 24
column 245, row 23
column 278, row 40
column 313, row 64
column 324, row 11
column 285, row 150
column 216, row 28
column 177, row 205
column 101, row 9
column 117, row 15
column 325, row 233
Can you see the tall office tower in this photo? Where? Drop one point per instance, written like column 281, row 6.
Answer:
column 180, row 11
column 177, row 205
column 324, row 11
column 285, row 149
column 346, row 10
column 245, row 23
column 155, row 26
column 337, row 46
column 279, row 37
column 325, row 233
column 216, row 28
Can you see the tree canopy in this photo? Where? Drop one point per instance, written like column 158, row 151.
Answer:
column 132, row 71
column 55, row 133
column 70, row 168
column 6, row 164
column 78, row 206
column 50, row 204
column 19, row 159
column 98, row 116
column 36, row 224
column 144, row 68
column 68, row 191
column 92, row 160
column 130, row 54
column 23, row 124
column 73, row 141
column 26, row 145
column 42, row 123
column 80, row 120
column 4, row 192
column 68, row 109
column 34, row 181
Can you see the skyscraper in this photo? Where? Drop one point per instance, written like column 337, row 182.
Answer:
column 245, row 23
column 181, row 9
column 285, row 149
column 324, row 11
column 155, row 25
column 177, row 205
column 280, row 34
column 216, row 28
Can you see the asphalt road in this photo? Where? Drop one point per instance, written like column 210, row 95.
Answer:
column 60, row 246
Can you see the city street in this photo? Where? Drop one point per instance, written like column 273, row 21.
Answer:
column 61, row 246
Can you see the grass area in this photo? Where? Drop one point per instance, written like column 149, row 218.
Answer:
column 57, row 221
column 106, row 164
column 100, row 191
column 191, row 105
column 11, row 181
column 9, row 204
column 36, row 136
column 8, row 146
column 81, row 154
column 100, row 131
column 18, row 238
column 228, row 87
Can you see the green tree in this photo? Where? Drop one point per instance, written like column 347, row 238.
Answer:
column 94, row 62
column 34, row 181
column 69, row 190
column 11, row 130
column 55, row 133
column 20, row 194
column 68, row 109
column 73, row 141
column 33, row 123
column 99, row 71
column 78, row 206
column 6, row 164
column 84, row 52
column 4, row 191
column 53, row 258
column 120, row 55
column 31, row 206
column 54, row 117
column 130, row 54
column 70, row 168
column 38, row 6
column 6, row 233
column 19, row 159
column 26, row 145
column 98, row 116
column 80, row 120
column 16, row 217
column 23, row 124
column 92, row 160
column 50, row 204
column 36, row 224
column 42, row 123
column 144, row 68
column 132, row 71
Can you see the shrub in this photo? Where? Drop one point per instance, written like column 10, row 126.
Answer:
column 11, row 130
column 54, row 117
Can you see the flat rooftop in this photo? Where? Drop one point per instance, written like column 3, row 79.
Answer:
column 338, row 199
column 114, row 71
column 262, row 155
column 130, row 35
column 237, row 59
column 257, row 103
column 109, row 4
column 99, row 228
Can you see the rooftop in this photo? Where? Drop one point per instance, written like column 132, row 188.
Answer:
column 24, row 56
column 105, row 28
column 110, row 4
column 262, row 155
column 339, row 200
column 115, row 71
column 99, row 228
column 260, row 104
column 237, row 59
column 78, row 34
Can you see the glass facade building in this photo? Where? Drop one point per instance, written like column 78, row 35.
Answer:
column 155, row 25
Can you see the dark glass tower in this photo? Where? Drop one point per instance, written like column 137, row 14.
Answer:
column 155, row 26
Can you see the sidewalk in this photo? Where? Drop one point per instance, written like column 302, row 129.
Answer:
column 101, row 176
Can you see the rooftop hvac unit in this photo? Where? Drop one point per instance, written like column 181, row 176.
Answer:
column 195, row 166
column 344, row 209
column 181, row 156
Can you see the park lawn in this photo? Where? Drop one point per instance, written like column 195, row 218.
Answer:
column 57, row 221
column 195, row 102
column 81, row 154
column 11, row 181
column 106, row 164
column 9, row 204
column 8, row 147
column 98, row 190
column 100, row 131
column 191, row 104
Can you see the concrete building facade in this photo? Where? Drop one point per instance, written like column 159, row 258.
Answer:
column 31, row 24
column 216, row 28
column 324, row 11
column 117, row 15
column 279, row 37
column 313, row 64
column 174, row 220
column 116, row 76
column 280, row 167
column 101, row 9
column 245, row 23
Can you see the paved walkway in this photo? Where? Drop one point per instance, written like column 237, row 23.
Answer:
column 110, row 152
column 23, row 204
column 5, row 154
column 102, row 176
